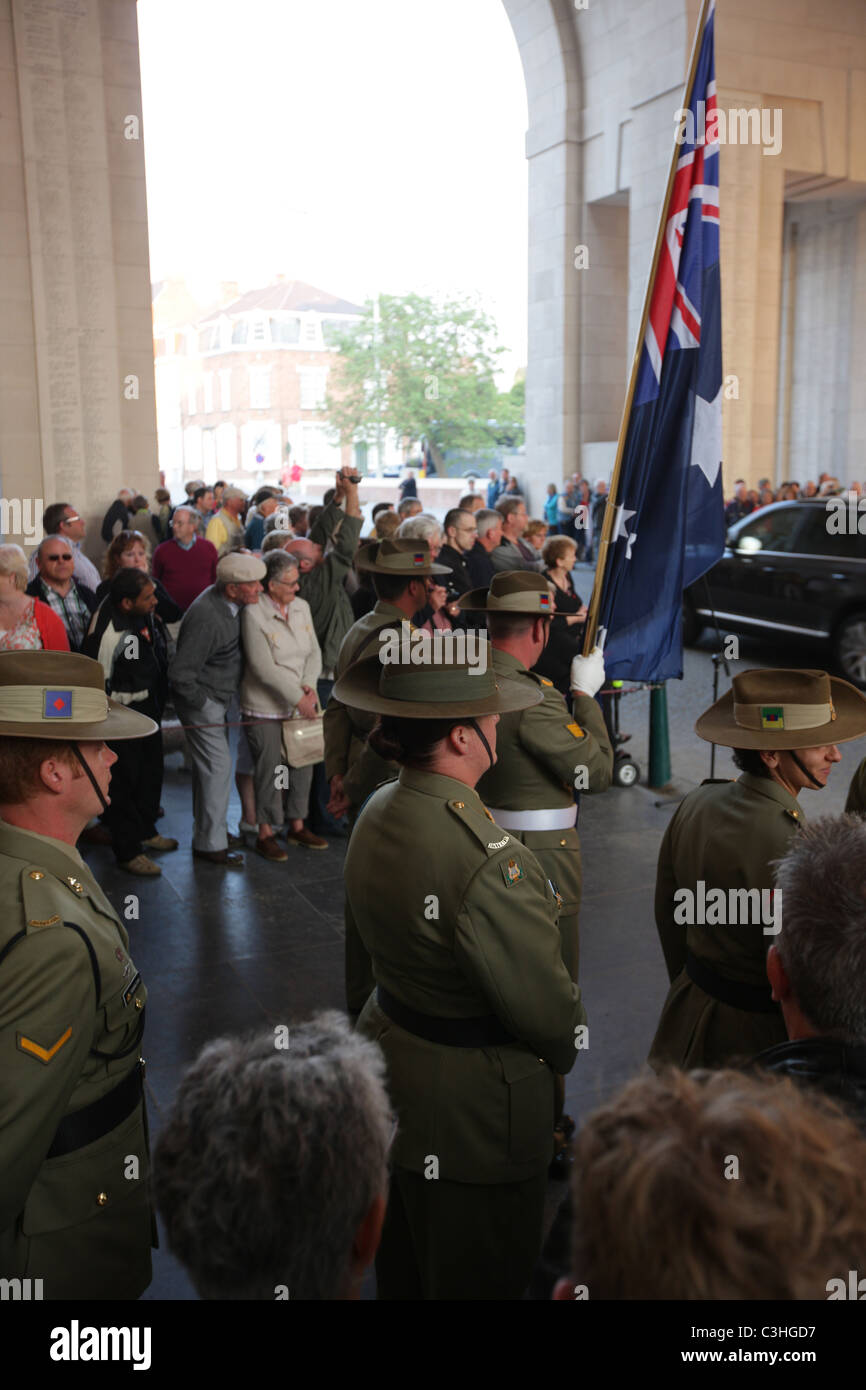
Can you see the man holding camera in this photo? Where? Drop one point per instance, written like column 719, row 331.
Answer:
column 324, row 559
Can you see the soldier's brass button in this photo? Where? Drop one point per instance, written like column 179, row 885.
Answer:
column 102, row 1199
column 138, row 1004
column 459, row 805
column 562, row 842
column 36, row 874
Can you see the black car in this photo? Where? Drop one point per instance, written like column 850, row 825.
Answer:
column 792, row 568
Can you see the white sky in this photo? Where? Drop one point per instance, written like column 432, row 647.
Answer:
column 356, row 146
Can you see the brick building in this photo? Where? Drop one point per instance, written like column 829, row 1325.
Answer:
column 239, row 385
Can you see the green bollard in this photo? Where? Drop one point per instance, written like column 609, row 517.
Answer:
column 659, row 738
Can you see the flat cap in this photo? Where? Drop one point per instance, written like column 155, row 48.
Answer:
column 239, row 568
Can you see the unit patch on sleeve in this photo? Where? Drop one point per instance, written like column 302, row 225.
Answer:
column 512, row 872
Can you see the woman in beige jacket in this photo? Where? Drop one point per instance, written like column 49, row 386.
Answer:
column 282, row 663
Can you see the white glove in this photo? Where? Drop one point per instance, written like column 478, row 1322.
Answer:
column 587, row 672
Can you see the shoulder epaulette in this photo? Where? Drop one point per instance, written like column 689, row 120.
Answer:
column 480, row 828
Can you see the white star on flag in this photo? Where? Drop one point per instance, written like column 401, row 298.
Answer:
column 622, row 516
column 707, row 436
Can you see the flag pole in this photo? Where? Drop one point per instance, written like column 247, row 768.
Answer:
column 591, row 629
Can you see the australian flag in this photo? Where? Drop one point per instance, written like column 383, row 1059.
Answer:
column 669, row 519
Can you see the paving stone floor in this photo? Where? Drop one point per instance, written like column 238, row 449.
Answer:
column 225, row 951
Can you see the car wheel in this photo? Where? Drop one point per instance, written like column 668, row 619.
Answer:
column 692, row 625
column 849, row 648
column 626, row 773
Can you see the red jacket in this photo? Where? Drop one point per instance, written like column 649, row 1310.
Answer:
column 51, row 629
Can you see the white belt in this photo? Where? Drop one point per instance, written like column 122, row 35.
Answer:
column 561, row 819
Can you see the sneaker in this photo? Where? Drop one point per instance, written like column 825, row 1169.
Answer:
column 306, row 838
column 160, row 842
column 142, row 866
column 269, row 849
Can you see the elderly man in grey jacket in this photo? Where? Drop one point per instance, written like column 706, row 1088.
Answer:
column 204, row 676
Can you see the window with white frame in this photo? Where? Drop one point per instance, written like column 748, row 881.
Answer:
column 226, row 389
column 311, row 332
column 207, row 388
column 208, row 456
column 319, row 451
column 260, row 331
column 260, row 388
column 313, row 382
column 191, row 403
column 226, row 449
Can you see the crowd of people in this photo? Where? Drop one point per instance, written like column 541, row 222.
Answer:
column 420, row 1129
column 746, row 500
column 236, row 618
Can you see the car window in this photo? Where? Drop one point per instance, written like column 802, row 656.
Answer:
column 769, row 530
column 832, row 531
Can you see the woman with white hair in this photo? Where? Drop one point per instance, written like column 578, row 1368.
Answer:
column 437, row 612
column 282, row 663
column 26, row 623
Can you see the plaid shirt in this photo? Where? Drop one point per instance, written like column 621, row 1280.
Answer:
column 71, row 610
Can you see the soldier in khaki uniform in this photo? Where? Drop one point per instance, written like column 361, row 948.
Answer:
column 784, row 726
column 474, row 1008
column 543, row 753
column 74, row 1209
column 400, row 569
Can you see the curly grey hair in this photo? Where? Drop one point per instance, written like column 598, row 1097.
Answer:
column 276, row 563
column 270, row 1159
column 424, row 527
column 822, row 942
column 275, row 540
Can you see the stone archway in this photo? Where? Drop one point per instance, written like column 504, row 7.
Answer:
column 547, row 39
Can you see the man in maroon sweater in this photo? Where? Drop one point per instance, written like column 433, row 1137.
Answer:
column 187, row 564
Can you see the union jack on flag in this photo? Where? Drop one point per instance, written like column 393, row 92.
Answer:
column 669, row 521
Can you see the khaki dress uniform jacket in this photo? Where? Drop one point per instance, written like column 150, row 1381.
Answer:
column 71, row 1019
column 346, row 752
column 348, row 755
column 470, row 934
column 538, row 751
column 726, row 834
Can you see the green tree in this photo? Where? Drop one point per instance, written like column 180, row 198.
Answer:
column 425, row 369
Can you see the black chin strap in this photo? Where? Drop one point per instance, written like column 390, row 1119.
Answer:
column 813, row 780
column 474, row 724
column 93, row 782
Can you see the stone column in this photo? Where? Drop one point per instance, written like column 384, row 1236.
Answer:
column 546, row 37
column 75, row 285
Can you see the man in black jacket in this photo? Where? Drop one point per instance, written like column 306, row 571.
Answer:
column 478, row 562
column 128, row 640
column 118, row 511
column 56, row 585
column 817, row 965
column 460, row 534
